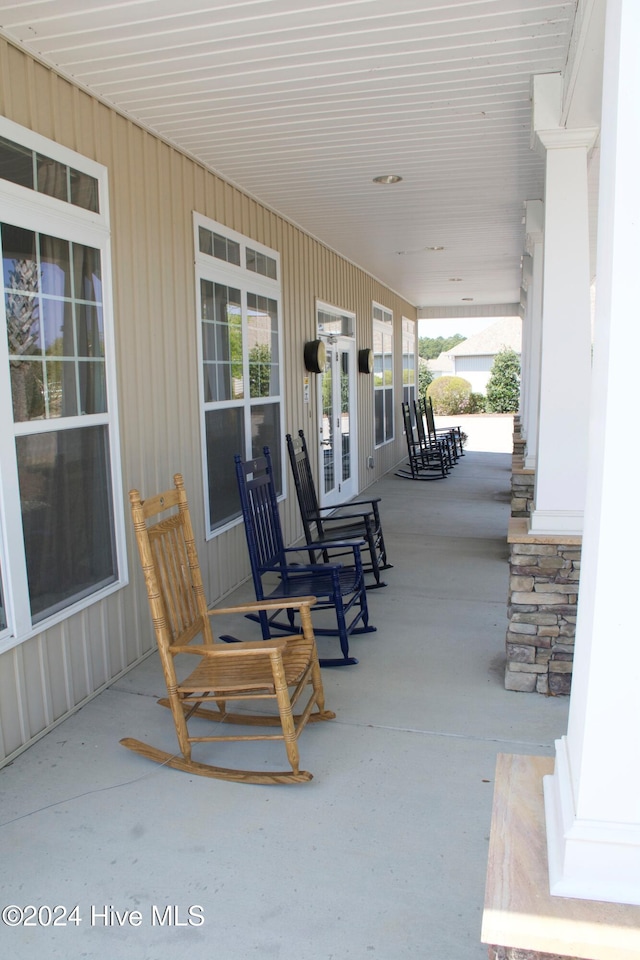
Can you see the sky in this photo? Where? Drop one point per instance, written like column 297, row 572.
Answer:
column 468, row 326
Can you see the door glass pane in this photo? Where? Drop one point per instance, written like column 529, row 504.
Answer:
column 65, row 493
column 265, row 432
column 344, row 416
column 224, row 437
column 327, row 428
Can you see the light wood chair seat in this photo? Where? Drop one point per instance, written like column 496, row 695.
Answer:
column 284, row 671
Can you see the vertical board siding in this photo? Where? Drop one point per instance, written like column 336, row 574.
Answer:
column 153, row 192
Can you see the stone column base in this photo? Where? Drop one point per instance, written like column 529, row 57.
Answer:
column 515, row 953
column 542, row 610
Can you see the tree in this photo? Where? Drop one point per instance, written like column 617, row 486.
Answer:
column 431, row 347
column 503, row 388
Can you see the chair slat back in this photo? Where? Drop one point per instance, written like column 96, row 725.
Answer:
column 428, row 409
column 421, row 429
column 170, row 566
column 304, row 484
column 406, row 419
column 259, row 503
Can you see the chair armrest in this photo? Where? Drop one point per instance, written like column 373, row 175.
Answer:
column 353, row 503
column 240, row 647
column 326, row 543
column 337, row 517
column 254, row 605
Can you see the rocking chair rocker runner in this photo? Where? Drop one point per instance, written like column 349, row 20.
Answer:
column 224, row 673
column 342, row 522
column 337, row 587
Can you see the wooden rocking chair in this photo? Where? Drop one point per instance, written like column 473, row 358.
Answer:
column 225, row 673
column 353, row 519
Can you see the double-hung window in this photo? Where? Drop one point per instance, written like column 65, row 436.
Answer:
column 61, row 523
column 383, row 374
column 238, row 304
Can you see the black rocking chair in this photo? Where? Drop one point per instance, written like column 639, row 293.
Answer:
column 426, row 461
column 346, row 521
column 336, row 586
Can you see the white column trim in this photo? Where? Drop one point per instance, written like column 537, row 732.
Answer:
column 578, row 849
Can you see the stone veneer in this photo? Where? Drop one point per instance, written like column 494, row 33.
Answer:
column 515, row 953
column 543, row 595
column 522, row 488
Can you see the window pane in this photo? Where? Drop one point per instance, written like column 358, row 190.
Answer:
column 224, row 438
column 19, row 266
column 379, row 416
column 84, row 191
column 262, row 322
column 265, row 432
column 52, row 178
column 388, row 414
column 89, row 330
column 55, row 266
column 92, row 387
column 221, row 342
column 87, row 273
column 65, row 493
column 16, row 163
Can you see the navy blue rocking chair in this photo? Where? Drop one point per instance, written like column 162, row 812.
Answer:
column 336, row 586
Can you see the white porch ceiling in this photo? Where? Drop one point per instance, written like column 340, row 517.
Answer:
column 302, row 103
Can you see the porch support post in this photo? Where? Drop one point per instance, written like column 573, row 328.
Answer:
column 593, row 797
column 566, row 313
column 534, row 223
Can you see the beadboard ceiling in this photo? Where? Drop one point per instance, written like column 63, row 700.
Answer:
column 303, row 102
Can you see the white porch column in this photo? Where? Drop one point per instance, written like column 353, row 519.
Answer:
column 534, row 221
column 566, row 336
column 593, row 797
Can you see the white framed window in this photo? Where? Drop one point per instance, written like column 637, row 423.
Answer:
column 382, row 374
column 238, row 297
column 61, row 511
column 409, row 391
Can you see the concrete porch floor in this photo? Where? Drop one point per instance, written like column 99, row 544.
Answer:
column 383, row 855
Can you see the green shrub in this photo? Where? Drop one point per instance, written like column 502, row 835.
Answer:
column 477, row 403
column 503, row 388
column 450, row 395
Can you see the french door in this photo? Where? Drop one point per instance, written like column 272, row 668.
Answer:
column 337, row 428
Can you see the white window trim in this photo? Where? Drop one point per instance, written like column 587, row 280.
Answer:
column 42, row 213
column 221, row 271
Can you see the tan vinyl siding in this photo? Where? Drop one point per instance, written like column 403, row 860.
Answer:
column 153, row 192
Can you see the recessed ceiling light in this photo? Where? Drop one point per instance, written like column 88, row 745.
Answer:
column 467, row 298
column 455, row 279
column 388, row 178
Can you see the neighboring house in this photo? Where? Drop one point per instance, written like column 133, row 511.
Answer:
column 441, row 366
column 473, row 358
